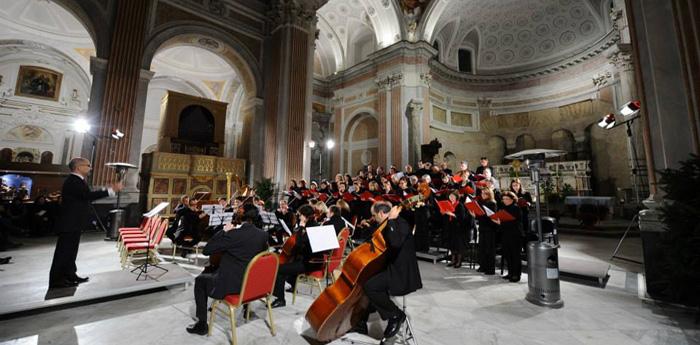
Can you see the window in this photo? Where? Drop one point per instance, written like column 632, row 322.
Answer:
column 436, row 45
column 464, row 57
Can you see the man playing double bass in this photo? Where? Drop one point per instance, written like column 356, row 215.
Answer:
column 400, row 276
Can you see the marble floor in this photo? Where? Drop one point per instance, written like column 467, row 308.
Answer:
column 456, row 306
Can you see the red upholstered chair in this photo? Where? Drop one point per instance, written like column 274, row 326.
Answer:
column 140, row 235
column 258, row 283
column 150, row 246
column 330, row 264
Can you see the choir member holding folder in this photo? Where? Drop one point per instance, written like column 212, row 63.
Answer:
column 509, row 219
column 487, row 230
column 455, row 220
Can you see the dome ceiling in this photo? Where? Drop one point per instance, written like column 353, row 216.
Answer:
column 506, row 36
column 519, row 34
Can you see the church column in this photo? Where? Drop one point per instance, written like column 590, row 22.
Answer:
column 135, row 133
column 382, row 114
column 288, row 90
column 98, row 69
column 121, row 88
column 339, row 142
column 415, row 131
column 396, row 122
column 249, row 146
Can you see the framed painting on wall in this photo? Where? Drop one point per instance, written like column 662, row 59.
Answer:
column 38, row 82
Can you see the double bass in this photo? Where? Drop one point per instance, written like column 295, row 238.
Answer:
column 342, row 304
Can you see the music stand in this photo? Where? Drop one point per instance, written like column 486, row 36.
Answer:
column 220, row 218
column 143, row 268
column 323, row 238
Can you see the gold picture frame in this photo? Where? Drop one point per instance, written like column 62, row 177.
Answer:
column 38, row 82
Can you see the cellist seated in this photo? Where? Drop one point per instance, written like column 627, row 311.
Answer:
column 400, row 276
column 303, row 260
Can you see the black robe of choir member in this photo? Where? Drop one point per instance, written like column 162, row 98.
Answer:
column 512, row 242
column 487, row 240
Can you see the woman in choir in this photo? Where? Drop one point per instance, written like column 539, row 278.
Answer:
column 487, row 234
column 455, row 227
column 524, row 201
column 511, row 236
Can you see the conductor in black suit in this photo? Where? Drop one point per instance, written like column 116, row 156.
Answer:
column 72, row 218
column 239, row 246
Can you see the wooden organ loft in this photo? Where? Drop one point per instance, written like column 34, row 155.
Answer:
column 189, row 154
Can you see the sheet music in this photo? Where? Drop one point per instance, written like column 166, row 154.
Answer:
column 220, row 218
column 269, row 218
column 285, row 227
column 488, row 211
column 160, row 207
column 322, row 238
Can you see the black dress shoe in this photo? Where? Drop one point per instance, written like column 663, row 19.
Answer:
column 361, row 328
column 489, row 273
column 506, row 277
column 5, row 261
column 198, row 328
column 278, row 303
column 514, row 279
column 65, row 283
column 394, row 325
column 80, row 280
column 480, row 269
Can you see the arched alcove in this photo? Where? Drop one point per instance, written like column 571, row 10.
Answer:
column 496, row 149
column 563, row 139
column 361, row 145
column 525, row 142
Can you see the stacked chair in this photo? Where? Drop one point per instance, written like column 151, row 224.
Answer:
column 132, row 242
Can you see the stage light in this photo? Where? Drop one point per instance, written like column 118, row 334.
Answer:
column 81, row 126
column 631, row 108
column 607, row 122
column 117, row 134
column 312, row 144
column 330, row 144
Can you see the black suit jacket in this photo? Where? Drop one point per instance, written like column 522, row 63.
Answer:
column 402, row 264
column 337, row 222
column 239, row 246
column 75, row 207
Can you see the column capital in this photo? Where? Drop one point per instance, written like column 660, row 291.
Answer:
column 98, row 65
column 386, row 83
column 622, row 60
column 146, row 75
column 426, row 78
column 297, row 13
column 416, row 106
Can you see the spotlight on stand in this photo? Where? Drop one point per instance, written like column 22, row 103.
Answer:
column 542, row 257
column 81, row 126
column 312, row 144
column 117, row 134
column 631, row 108
column 330, row 144
column 607, row 122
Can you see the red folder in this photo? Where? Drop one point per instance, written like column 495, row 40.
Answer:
column 467, row 190
column 308, row 193
column 481, row 184
column 323, row 197
column 475, row 208
column 479, row 177
column 503, row 215
column 443, row 192
column 457, row 178
column 522, row 202
column 348, row 197
column 446, row 206
column 366, row 196
column 392, row 198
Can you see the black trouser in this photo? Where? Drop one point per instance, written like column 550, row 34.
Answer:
column 287, row 272
column 203, row 286
column 422, row 215
column 63, row 264
column 487, row 249
column 511, row 252
column 377, row 290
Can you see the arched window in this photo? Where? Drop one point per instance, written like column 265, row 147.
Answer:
column 6, row 155
column 46, row 157
column 464, row 57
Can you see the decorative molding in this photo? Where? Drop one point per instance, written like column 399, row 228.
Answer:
column 293, row 13
column 602, row 79
column 621, row 60
column 426, row 78
column 597, row 49
column 389, row 81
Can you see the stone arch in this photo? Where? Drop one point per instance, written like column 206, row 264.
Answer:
column 92, row 16
column 360, row 140
column 496, row 149
column 524, row 142
column 234, row 52
column 6, row 155
column 563, row 139
column 430, row 19
column 451, row 160
column 46, row 157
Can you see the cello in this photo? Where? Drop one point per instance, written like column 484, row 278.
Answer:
column 342, row 304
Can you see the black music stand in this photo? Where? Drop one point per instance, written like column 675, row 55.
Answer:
column 143, row 268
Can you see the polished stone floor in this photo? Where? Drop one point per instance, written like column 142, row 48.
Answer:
column 456, row 306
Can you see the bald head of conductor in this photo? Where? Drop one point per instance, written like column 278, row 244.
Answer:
column 81, row 166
